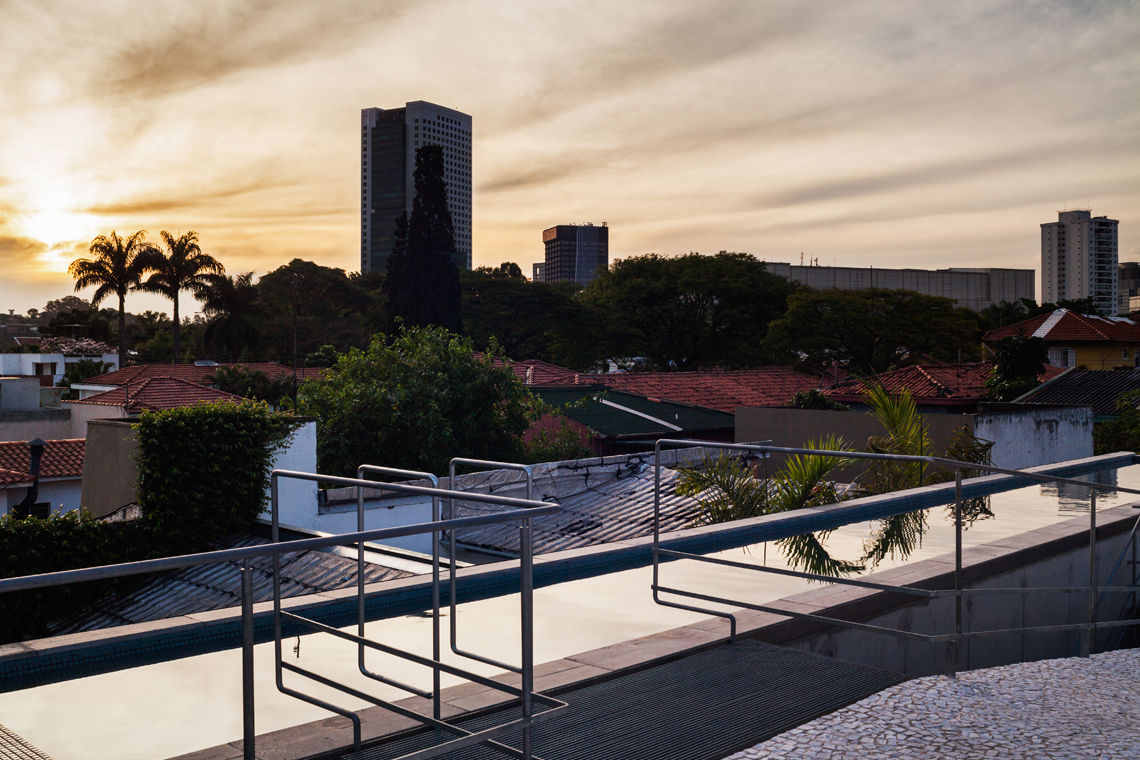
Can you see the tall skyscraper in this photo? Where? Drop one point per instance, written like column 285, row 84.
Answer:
column 1079, row 259
column 575, row 252
column 389, row 138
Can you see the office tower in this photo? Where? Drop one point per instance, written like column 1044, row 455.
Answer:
column 1079, row 260
column 575, row 252
column 389, row 138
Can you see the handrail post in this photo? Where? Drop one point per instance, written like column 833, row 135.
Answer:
column 956, row 660
column 1087, row 636
column 247, row 689
column 526, row 604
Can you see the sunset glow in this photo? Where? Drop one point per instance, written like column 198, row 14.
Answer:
column 861, row 133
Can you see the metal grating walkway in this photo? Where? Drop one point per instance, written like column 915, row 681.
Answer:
column 12, row 747
column 704, row 706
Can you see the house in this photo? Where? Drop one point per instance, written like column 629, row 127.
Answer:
column 1077, row 340
column 143, row 395
column 1099, row 389
column 49, row 367
column 60, row 472
column 952, row 388
column 199, row 373
column 613, row 421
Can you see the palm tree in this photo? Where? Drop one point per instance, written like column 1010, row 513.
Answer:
column 115, row 266
column 229, row 303
column 182, row 267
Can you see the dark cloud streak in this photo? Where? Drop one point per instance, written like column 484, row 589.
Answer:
column 248, row 35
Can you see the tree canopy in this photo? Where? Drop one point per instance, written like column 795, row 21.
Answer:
column 870, row 331
column 115, row 267
column 423, row 282
column 414, row 400
column 688, row 312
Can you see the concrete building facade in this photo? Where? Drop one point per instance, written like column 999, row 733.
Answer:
column 574, row 253
column 1079, row 259
column 973, row 288
column 389, row 139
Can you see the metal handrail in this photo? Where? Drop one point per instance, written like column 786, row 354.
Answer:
column 954, row 639
column 453, row 541
column 433, row 694
column 529, row 509
column 526, row 511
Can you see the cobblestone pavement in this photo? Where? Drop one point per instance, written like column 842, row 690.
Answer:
column 1068, row 709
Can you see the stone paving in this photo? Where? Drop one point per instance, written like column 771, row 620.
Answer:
column 1067, row 709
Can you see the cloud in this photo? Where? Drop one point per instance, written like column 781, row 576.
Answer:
column 208, row 43
column 698, row 35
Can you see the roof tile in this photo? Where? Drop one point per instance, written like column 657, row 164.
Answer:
column 61, row 459
column 156, row 393
column 1065, row 325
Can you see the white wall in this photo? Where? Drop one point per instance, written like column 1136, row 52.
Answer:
column 1029, row 437
column 297, row 499
column 64, row 495
column 24, row 364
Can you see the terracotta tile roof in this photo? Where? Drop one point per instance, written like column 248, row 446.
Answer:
column 61, row 459
column 155, row 393
column 1063, row 325
column 538, row 372
column 194, row 373
column 723, row 390
column 964, row 382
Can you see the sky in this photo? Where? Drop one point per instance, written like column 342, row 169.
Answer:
column 856, row 132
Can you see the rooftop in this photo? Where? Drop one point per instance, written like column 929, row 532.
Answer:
column 1098, row 388
column 1065, row 325
column 195, row 373
column 964, row 382
column 154, row 393
column 61, row 459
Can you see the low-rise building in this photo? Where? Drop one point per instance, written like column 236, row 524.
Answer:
column 1077, row 340
column 58, row 481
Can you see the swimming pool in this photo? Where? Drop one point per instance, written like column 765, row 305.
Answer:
column 142, row 712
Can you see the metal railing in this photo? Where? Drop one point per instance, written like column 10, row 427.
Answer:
column 524, row 512
column 953, row 640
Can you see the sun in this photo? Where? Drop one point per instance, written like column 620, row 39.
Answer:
column 58, row 226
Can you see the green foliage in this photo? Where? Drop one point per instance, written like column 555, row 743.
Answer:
column 322, row 302
column 555, row 445
column 1123, row 433
column 64, row 541
column 1018, row 363
column 325, row 356
column 204, row 469
column 815, row 399
column 724, row 489
column 415, row 400
column 529, row 320
column 183, row 267
column 77, row 372
column 687, row 312
column 253, row 383
column 116, row 266
column 230, row 305
column 905, row 434
column 870, row 331
column 423, row 281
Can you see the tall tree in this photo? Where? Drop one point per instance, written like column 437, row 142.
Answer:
column 688, row 312
column 230, row 304
column 182, row 267
column 423, row 281
column 116, row 266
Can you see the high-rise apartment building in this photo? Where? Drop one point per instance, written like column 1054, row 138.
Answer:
column 575, row 252
column 389, row 138
column 1079, row 260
